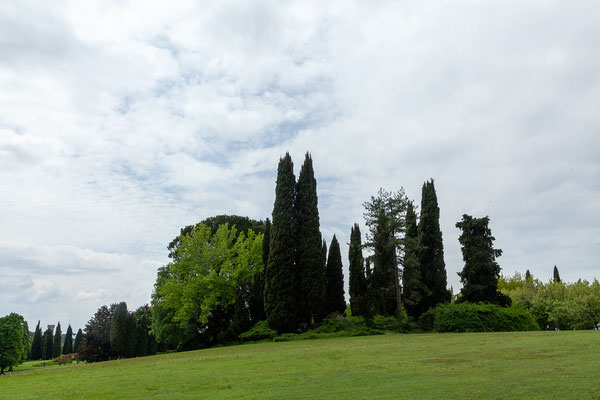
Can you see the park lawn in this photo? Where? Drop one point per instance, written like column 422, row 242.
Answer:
column 532, row 365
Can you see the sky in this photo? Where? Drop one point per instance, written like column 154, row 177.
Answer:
column 123, row 121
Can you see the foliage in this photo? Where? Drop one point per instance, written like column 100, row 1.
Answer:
column 65, row 359
column 415, row 292
column 392, row 324
column 36, row 344
column 260, row 331
column 56, row 345
column 358, row 286
column 95, row 345
column 385, row 217
column 194, row 295
column 14, row 341
column 68, row 344
column 145, row 343
column 77, row 342
column 431, row 249
column 119, row 327
column 334, row 281
column 481, row 271
column 310, row 268
column 242, row 224
column 470, row 317
column 47, row 344
column 282, row 288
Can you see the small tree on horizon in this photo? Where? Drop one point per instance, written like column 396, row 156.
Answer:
column 556, row 275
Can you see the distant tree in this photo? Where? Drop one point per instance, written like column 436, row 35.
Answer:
column 95, row 345
column 281, row 297
column 334, row 281
column 119, row 327
column 36, row 345
column 77, row 342
column 481, row 271
column 145, row 343
column 257, row 293
column 528, row 276
column 384, row 216
column 13, row 342
column 131, row 336
column 310, row 270
column 242, row 224
column 47, row 344
column 358, row 281
column 556, row 275
column 56, row 346
column 415, row 291
column 431, row 248
column 68, row 344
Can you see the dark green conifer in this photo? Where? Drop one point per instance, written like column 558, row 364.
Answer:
column 56, row 346
column 556, row 275
column 118, row 331
column 334, row 281
column 36, row 344
column 280, row 298
column 47, row 344
column 528, row 276
column 310, row 268
column 383, row 285
column 431, row 248
column 257, row 294
column 324, row 256
column 68, row 345
column 78, row 339
column 415, row 292
column 358, row 281
column 481, row 271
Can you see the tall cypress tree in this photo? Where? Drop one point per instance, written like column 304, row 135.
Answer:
column 47, row 344
column 358, row 281
column 383, row 280
column 280, row 298
column 118, row 331
column 310, row 267
column 481, row 271
column 431, row 248
column 556, row 275
column 57, row 339
column 257, row 294
column 415, row 292
column 36, row 344
column 78, row 339
column 334, row 281
column 68, row 345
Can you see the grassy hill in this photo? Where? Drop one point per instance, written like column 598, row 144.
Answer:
column 544, row 365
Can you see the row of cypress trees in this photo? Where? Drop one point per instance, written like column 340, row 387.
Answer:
column 396, row 238
column 48, row 345
column 301, row 284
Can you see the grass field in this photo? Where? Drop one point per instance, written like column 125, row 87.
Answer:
column 527, row 365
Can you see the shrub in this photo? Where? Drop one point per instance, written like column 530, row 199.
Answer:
column 260, row 331
column 469, row 317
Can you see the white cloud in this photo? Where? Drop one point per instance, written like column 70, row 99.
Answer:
column 121, row 123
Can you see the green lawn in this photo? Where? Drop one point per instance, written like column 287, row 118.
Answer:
column 527, row 365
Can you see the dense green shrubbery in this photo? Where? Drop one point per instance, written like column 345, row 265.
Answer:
column 260, row 331
column 469, row 317
column 392, row 324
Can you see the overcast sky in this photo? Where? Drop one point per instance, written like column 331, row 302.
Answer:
column 121, row 122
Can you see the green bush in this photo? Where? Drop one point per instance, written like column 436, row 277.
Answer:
column 260, row 331
column 469, row 317
column 393, row 324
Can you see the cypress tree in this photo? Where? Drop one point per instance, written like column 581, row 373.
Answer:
column 280, row 298
column 415, row 292
column 358, row 281
column 556, row 275
column 131, row 337
column 118, row 331
column 528, row 276
column 78, row 339
column 47, row 344
column 68, row 345
column 334, row 281
column 36, row 345
column 481, row 271
column 57, row 339
column 257, row 295
column 431, row 248
column 383, row 285
column 310, row 267
column 324, row 256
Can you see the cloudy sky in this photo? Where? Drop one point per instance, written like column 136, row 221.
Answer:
column 121, row 122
